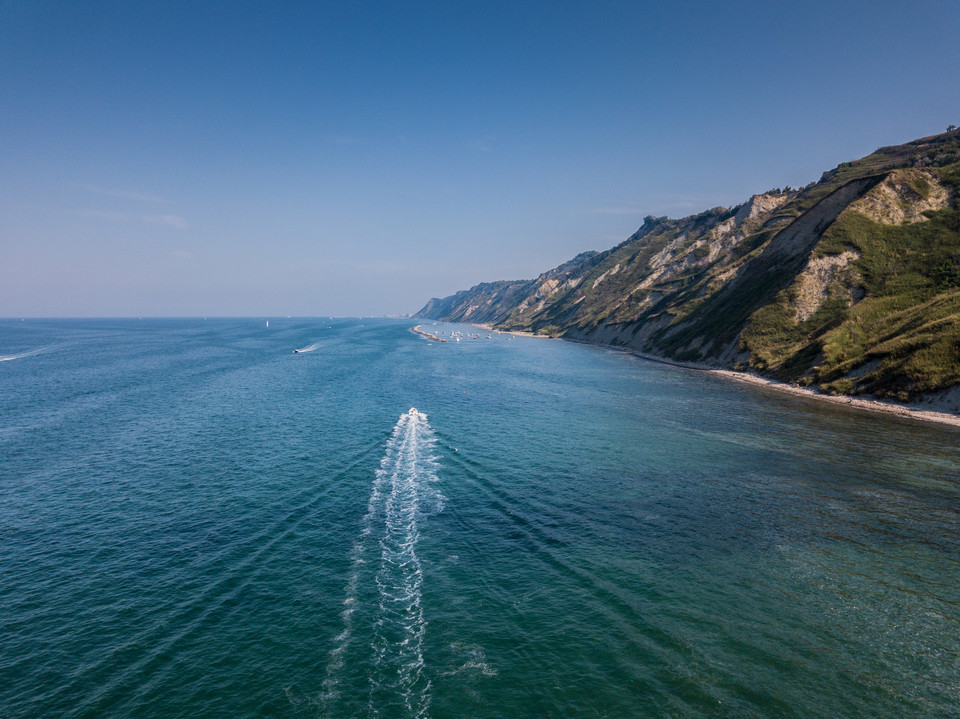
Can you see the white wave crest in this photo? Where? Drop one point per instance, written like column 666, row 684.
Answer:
column 473, row 658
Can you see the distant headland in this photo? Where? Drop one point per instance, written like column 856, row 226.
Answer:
column 848, row 287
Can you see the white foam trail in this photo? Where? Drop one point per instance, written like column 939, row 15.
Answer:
column 475, row 660
column 28, row 353
column 308, row 348
column 388, row 540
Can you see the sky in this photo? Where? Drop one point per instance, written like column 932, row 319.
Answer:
column 358, row 158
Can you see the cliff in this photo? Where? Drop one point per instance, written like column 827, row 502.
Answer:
column 850, row 285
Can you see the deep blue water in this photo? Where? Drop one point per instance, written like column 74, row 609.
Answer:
column 196, row 522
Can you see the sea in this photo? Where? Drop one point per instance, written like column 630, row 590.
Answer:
column 197, row 521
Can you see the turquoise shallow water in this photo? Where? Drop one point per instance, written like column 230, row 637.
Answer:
column 196, row 522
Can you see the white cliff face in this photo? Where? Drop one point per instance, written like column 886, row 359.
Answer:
column 609, row 273
column 903, row 198
column 761, row 205
column 747, row 286
column 819, row 278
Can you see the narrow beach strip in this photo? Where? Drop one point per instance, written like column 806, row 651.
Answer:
column 914, row 410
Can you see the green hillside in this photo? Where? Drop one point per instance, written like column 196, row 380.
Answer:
column 851, row 284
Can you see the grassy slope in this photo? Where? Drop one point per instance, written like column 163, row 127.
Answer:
column 903, row 336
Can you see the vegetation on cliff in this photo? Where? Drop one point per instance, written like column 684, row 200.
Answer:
column 851, row 284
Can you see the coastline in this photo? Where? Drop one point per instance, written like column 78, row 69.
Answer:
column 914, row 410
column 515, row 333
column 425, row 333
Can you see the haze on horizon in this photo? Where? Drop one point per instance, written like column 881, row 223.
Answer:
column 167, row 159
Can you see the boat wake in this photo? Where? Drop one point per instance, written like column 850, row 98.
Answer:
column 308, row 348
column 382, row 610
column 28, row 353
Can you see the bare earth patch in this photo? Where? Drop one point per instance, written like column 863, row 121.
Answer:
column 903, row 197
column 815, row 280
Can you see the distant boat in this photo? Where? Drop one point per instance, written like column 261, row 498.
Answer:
column 268, row 323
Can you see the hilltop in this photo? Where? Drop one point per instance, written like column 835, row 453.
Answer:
column 850, row 286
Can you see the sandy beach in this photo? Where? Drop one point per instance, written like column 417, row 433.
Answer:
column 515, row 333
column 915, row 410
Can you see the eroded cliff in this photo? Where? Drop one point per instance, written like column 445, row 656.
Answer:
column 851, row 284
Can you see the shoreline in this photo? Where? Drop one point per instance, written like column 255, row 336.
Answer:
column 515, row 333
column 915, row 410
column 425, row 333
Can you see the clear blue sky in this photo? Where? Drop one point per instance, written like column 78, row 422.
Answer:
column 236, row 158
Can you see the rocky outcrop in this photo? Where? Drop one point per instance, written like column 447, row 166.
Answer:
column 822, row 276
column 903, row 197
column 760, row 206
